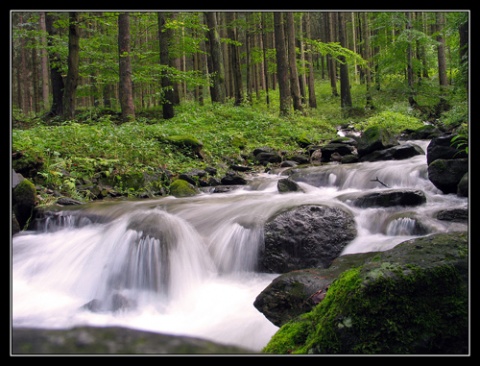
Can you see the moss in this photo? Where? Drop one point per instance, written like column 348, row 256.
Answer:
column 24, row 199
column 383, row 309
column 181, row 188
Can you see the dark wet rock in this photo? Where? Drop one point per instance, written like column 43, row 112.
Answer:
column 306, row 236
column 411, row 299
column 110, row 340
column 385, row 198
column 446, row 174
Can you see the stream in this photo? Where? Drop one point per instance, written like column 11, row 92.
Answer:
column 187, row 266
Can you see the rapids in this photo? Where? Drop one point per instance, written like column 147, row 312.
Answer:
column 187, row 266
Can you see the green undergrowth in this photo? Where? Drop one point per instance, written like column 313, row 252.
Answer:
column 198, row 136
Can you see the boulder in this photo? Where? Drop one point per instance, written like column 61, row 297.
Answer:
column 306, row 236
column 411, row 299
column 446, row 174
column 110, row 340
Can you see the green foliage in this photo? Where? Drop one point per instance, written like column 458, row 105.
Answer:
column 394, row 122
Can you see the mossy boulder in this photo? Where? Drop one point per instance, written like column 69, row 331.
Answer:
column 181, row 188
column 24, row 200
column 412, row 299
column 189, row 145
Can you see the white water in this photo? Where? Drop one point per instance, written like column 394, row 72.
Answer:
column 188, row 266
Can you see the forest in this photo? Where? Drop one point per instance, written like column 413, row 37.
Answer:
column 109, row 91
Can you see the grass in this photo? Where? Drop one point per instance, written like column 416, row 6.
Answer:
column 95, row 142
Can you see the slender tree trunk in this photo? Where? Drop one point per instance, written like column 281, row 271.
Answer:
column 71, row 82
column 282, row 64
column 332, row 67
column 442, row 64
column 463, row 33
column 265, row 60
column 55, row 71
column 237, row 85
column 312, row 99
column 216, row 70
column 125, row 68
column 410, row 80
column 44, row 61
column 345, row 95
column 164, row 36
column 292, row 62
column 24, row 84
column 367, row 55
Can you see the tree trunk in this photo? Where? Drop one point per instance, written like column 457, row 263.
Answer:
column 345, row 95
column 265, row 60
column 216, row 70
column 367, row 57
column 55, row 71
column 44, row 61
column 125, row 68
column 282, row 65
column 71, row 82
column 164, row 36
column 411, row 95
column 331, row 63
column 237, row 87
column 312, row 99
column 463, row 32
column 292, row 61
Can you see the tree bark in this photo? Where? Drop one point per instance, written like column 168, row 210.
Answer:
column 44, row 61
column 345, row 95
column 55, row 71
column 216, row 69
column 165, row 36
column 125, row 68
column 282, row 64
column 331, row 63
column 237, row 85
column 312, row 100
column 411, row 95
column 292, row 62
column 71, row 82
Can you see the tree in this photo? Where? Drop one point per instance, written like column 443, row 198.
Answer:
column 125, row 68
column 442, row 62
column 44, row 60
column 55, row 69
column 164, row 37
column 292, row 62
column 411, row 95
column 330, row 24
column 367, row 56
column 282, row 64
column 312, row 100
column 345, row 95
column 216, row 69
column 71, row 82
column 237, row 85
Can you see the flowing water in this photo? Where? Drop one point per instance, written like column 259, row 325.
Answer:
column 187, row 266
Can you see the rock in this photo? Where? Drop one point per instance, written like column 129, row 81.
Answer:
column 441, row 148
column 287, row 185
column 24, row 200
column 400, row 152
column 446, row 174
column 385, row 198
column 306, row 236
column 412, row 299
column 181, row 188
column 373, row 139
column 110, row 340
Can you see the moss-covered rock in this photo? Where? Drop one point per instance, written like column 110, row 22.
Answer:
column 24, row 199
column 412, row 299
column 181, row 188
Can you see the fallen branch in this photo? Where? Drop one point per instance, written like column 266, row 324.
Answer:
column 379, row 181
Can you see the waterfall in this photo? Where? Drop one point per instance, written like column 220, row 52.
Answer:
column 188, row 265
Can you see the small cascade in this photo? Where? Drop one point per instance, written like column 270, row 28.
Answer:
column 189, row 265
column 402, row 226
